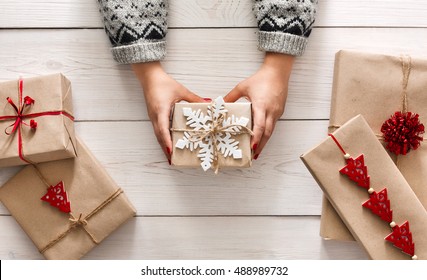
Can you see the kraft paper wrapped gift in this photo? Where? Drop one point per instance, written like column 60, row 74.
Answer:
column 373, row 85
column 52, row 114
column 325, row 162
column 98, row 205
column 192, row 126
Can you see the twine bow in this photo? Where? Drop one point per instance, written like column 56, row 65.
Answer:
column 82, row 222
column 79, row 222
column 213, row 130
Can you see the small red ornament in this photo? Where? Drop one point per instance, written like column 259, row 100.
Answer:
column 33, row 124
column 401, row 237
column 28, row 100
column 357, row 171
column 380, row 205
column 402, row 132
column 57, row 197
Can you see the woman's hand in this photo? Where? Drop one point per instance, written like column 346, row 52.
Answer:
column 161, row 92
column 267, row 89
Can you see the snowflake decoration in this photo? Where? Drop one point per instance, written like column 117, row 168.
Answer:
column 212, row 133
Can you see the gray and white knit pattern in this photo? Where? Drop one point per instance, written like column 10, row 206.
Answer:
column 284, row 25
column 137, row 28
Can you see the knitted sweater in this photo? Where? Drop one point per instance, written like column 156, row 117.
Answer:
column 137, row 28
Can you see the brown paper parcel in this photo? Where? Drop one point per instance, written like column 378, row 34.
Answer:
column 187, row 158
column 324, row 163
column 88, row 185
column 53, row 138
column 371, row 85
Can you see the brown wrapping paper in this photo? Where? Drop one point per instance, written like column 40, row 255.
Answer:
column 88, row 185
column 186, row 158
column 371, row 85
column 324, row 163
column 54, row 137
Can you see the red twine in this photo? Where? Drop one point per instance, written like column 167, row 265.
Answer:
column 20, row 116
column 402, row 132
column 336, row 142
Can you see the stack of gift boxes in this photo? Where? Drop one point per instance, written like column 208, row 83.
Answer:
column 371, row 167
column 63, row 199
column 373, row 164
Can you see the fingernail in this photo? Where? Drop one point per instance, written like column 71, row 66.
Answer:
column 168, row 150
column 254, row 147
column 170, row 163
column 256, row 156
column 207, row 99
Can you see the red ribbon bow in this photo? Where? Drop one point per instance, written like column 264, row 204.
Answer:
column 20, row 116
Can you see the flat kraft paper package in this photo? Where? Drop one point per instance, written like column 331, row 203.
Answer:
column 98, row 205
column 325, row 162
column 198, row 125
column 372, row 85
column 39, row 131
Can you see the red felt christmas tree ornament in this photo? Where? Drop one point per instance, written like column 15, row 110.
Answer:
column 378, row 203
column 57, row 197
column 401, row 237
column 357, row 171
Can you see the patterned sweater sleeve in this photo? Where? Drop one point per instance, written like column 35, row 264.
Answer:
column 284, row 25
column 136, row 28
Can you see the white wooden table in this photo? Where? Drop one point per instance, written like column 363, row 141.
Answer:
column 270, row 211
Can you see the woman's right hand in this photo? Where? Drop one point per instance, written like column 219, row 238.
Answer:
column 161, row 92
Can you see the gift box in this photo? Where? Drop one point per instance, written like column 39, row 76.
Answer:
column 212, row 135
column 66, row 207
column 369, row 193
column 377, row 86
column 36, row 120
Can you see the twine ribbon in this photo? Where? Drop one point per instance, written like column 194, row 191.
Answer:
column 406, row 70
column 19, row 117
column 79, row 222
column 212, row 131
column 406, row 62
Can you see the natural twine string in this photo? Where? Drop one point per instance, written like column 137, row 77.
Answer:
column 406, row 62
column 82, row 222
column 406, row 70
column 42, row 178
column 76, row 222
column 217, row 127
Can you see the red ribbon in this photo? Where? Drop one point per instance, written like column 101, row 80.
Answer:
column 20, row 116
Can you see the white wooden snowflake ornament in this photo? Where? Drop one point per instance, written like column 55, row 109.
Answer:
column 212, row 133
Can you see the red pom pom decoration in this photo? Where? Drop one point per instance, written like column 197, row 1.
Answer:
column 33, row 124
column 402, row 132
column 28, row 100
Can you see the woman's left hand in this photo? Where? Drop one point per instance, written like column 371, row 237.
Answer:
column 267, row 89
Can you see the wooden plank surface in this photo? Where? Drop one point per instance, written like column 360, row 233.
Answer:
column 277, row 184
column 201, row 238
column 267, row 212
column 214, row 13
column 210, row 62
